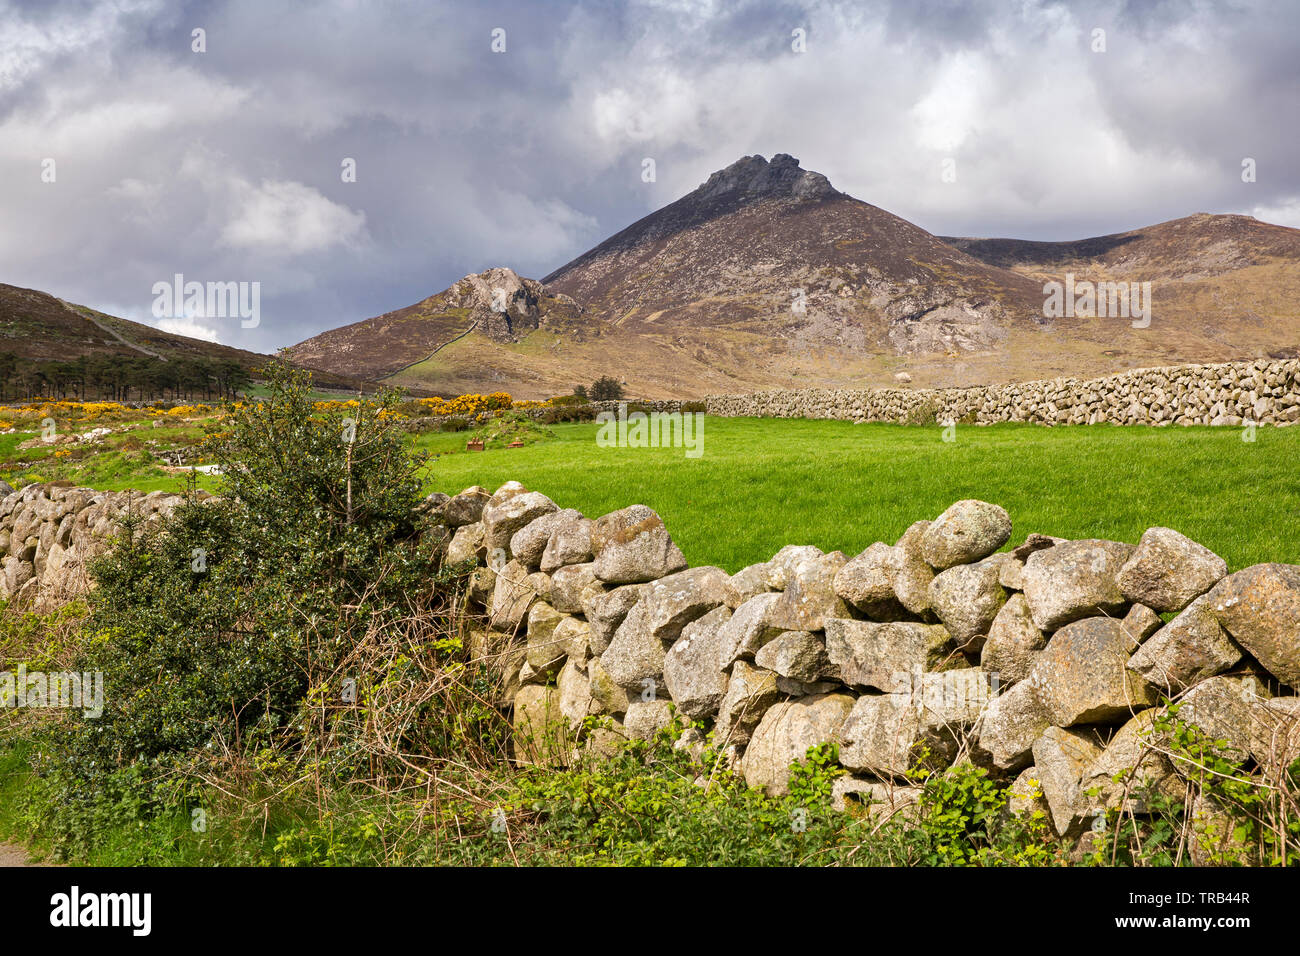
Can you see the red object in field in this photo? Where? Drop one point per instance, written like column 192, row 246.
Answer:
column 473, row 446
column 515, row 444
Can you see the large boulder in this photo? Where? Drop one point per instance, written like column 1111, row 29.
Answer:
column 784, row 562
column 968, row 531
column 467, row 544
column 466, row 507
column 573, row 637
column 1260, row 609
column 867, row 582
column 676, row 600
column 1011, row 573
column 890, row 734
column 1223, row 709
column 503, row 515
column 693, row 667
column 747, row 583
column 545, row 653
column 540, row 728
column 884, row 655
column 1010, row 724
column 750, row 692
column 967, row 597
column 911, row 575
column 1131, row 770
column 605, row 610
column 786, row 733
column 529, row 542
column 1082, row 676
column 645, row 718
column 809, row 597
column 1168, row 571
column 632, row 545
column 1190, row 648
column 513, row 594
column 635, row 657
column 955, row 697
column 1141, row 622
column 750, row 627
column 568, row 584
column 569, row 543
column 576, row 702
column 636, row 653
column 611, row 698
column 1012, row 642
column 1062, row 757
column 798, row 655
column 1074, row 580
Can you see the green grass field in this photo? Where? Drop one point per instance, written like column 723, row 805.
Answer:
column 763, row 483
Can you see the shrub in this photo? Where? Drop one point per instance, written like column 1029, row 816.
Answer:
column 571, row 413
column 606, row 389
column 223, row 630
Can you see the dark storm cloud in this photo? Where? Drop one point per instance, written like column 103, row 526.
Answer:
column 225, row 165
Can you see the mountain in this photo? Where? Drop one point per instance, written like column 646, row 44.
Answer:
column 496, row 307
column 38, row 327
column 766, row 276
column 1222, row 286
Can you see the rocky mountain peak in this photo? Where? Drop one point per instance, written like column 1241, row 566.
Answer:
column 754, row 176
column 500, row 300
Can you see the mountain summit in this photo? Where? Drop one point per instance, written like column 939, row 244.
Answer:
column 776, row 245
column 755, row 176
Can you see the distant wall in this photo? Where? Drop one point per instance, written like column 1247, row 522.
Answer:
column 1263, row 392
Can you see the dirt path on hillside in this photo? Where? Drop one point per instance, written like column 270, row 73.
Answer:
column 13, row 855
column 113, row 332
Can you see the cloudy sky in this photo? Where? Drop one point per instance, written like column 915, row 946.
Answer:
column 227, row 164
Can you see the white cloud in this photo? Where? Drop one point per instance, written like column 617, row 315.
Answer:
column 288, row 217
column 1286, row 213
column 189, row 327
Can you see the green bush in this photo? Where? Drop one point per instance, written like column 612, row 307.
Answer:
column 606, row 389
column 567, row 413
column 223, row 629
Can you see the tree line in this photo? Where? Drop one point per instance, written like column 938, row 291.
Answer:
column 120, row 378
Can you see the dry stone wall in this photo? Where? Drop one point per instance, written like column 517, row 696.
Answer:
column 1046, row 663
column 1263, row 392
column 49, row 531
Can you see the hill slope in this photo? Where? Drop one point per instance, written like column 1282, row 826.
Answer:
column 38, row 327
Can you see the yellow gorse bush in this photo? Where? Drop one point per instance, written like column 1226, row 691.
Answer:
column 467, row 405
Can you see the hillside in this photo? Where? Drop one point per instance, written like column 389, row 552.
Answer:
column 766, row 276
column 1223, row 286
column 38, row 327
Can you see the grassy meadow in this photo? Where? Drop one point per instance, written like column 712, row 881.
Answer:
column 763, row 483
